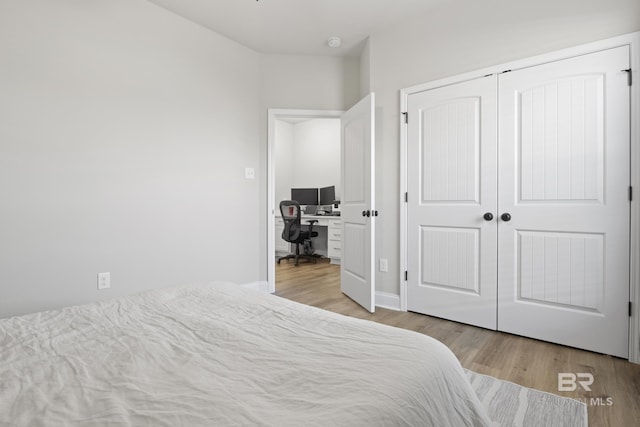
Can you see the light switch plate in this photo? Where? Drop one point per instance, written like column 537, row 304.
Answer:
column 104, row 281
column 249, row 173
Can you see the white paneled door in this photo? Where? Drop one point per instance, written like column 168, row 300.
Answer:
column 452, row 175
column 545, row 151
column 564, row 179
column 357, row 279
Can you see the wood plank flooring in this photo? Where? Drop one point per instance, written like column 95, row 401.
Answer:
column 614, row 399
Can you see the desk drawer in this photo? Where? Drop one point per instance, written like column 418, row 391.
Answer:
column 335, row 230
column 334, row 234
column 335, row 249
column 334, row 238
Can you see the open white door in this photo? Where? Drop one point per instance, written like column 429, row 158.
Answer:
column 357, row 279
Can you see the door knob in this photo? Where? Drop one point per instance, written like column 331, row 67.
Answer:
column 506, row 217
column 488, row 216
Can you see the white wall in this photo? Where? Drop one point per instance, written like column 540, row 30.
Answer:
column 307, row 155
column 365, row 70
column 124, row 133
column 461, row 36
column 310, row 82
column 317, row 154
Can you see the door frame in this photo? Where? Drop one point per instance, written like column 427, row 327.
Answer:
column 633, row 41
column 274, row 114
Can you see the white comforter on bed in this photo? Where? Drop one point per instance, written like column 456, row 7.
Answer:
column 219, row 355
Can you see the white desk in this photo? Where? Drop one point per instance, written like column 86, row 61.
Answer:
column 328, row 242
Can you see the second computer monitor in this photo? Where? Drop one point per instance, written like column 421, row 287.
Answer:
column 327, row 195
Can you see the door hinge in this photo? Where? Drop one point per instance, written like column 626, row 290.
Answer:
column 630, row 193
column 406, row 117
column 406, row 197
column 629, row 76
column 630, row 312
column 406, row 275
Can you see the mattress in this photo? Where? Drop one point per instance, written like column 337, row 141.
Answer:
column 220, row 354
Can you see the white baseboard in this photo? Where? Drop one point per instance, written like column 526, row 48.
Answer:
column 387, row 300
column 262, row 286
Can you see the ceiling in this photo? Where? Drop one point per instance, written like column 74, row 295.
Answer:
column 299, row 27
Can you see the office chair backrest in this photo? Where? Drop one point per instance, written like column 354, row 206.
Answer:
column 291, row 215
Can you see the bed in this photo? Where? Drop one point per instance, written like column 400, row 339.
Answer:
column 220, row 354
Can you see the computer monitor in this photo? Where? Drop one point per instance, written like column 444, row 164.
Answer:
column 327, row 195
column 305, row 196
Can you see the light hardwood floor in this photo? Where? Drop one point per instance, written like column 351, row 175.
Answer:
column 524, row 361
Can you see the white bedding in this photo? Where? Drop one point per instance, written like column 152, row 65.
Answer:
column 219, row 355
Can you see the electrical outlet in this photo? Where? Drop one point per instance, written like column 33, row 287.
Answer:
column 249, row 173
column 384, row 265
column 104, row 281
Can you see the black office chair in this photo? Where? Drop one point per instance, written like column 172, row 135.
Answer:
column 293, row 232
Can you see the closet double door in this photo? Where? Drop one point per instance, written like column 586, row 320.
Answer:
column 518, row 210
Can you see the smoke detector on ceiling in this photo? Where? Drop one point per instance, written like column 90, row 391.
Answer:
column 334, row 42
